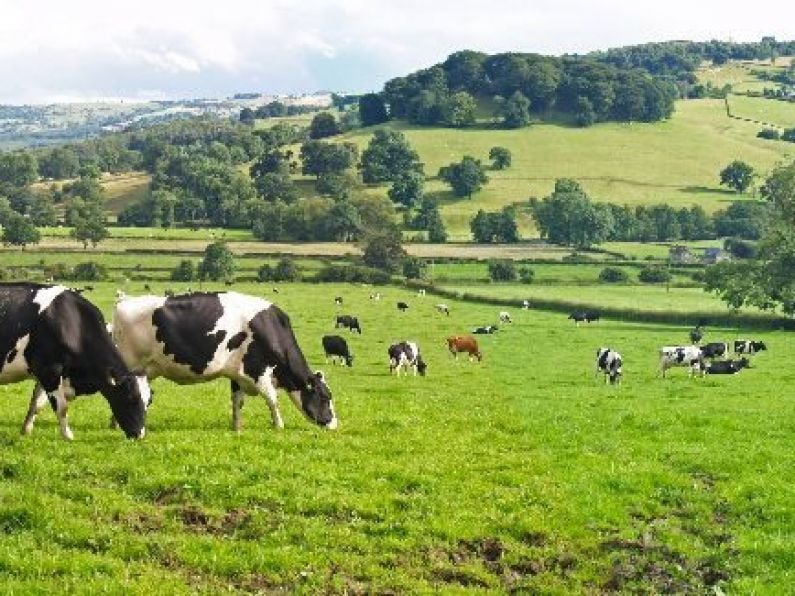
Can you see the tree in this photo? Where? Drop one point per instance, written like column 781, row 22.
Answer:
column 338, row 186
column 436, row 230
column 247, row 116
column 465, row 177
column 407, row 188
column 613, row 275
column 185, row 271
column 568, row 216
column 384, row 251
column 323, row 125
column 737, row 175
column 515, row 111
column 218, row 263
column 18, row 168
column 42, row 211
column 767, row 281
column 276, row 185
column 372, row 109
column 458, row 110
column 387, row 156
column 500, row 158
column 19, row 231
column 89, row 221
column 494, row 227
column 584, row 112
column 320, row 158
column 59, row 163
column 413, row 268
column 502, row 270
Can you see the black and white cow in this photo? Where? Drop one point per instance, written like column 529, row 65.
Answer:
column 338, row 300
column 610, row 363
column 715, row 350
column 406, row 354
column 696, row 334
column 525, row 305
column 443, row 309
column 485, row 330
column 402, row 306
column 748, row 346
column 54, row 335
column 584, row 316
column 689, row 356
column 194, row 338
column 727, row 367
column 375, row 296
column 348, row 322
column 335, row 346
column 505, row 317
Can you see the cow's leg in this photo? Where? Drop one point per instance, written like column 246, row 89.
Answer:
column 238, row 397
column 37, row 401
column 267, row 388
column 61, row 405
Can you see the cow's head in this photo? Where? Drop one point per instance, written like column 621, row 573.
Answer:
column 349, row 360
column 615, row 374
column 421, row 366
column 316, row 402
column 129, row 395
column 760, row 345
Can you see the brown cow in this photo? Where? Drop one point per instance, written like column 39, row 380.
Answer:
column 464, row 343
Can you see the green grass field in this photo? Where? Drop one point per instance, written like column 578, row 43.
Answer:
column 521, row 472
column 772, row 111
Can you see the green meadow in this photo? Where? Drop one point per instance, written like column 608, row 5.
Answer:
column 522, row 472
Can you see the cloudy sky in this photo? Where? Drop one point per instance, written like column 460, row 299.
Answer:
column 58, row 50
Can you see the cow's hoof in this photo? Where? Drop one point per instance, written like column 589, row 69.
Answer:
column 68, row 435
column 27, row 429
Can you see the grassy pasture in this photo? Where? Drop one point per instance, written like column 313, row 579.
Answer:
column 520, row 472
column 772, row 111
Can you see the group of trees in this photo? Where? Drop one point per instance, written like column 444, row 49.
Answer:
column 499, row 226
column 768, row 280
column 568, row 216
column 588, row 89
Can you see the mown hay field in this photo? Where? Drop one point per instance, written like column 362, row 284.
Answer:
column 519, row 472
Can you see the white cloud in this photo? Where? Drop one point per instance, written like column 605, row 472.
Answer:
column 176, row 47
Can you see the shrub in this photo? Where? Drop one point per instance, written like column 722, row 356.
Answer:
column 286, row 270
column 89, row 271
column 57, row 271
column 502, row 270
column 413, row 268
column 769, row 133
column 185, row 271
column 698, row 276
column 613, row 275
column 352, row 274
column 654, row 275
column 740, row 249
column 788, row 135
column 526, row 275
column 265, row 273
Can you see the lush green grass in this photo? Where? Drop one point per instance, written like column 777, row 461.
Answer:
column 156, row 234
column 520, row 472
column 658, row 250
column 674, row 162
column 771, row 111
column 646, row 297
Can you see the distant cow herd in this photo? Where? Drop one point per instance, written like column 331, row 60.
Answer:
column 55, row 336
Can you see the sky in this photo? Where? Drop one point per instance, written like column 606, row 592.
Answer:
column 71, row 50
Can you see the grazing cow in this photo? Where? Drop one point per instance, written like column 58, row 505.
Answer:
column 609, row 362
column 54, row 335
column 727, row 367
column 194, row 338
column 696, row 334
column 338, row 300
column 443, row 309
column 334, row 347
column 275, row 290
column 525, row 304
column 402, row 306
column 406, row 354
column 748, row 346
column 348, row 322
column 464, row 343
column 715, row 350
column 376, row 296
column 485, row 330
column 421, row 292
column 505, row 317
column 690, row 356
column 585, row 316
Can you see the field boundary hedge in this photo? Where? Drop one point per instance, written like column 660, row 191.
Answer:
column 728, row 319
